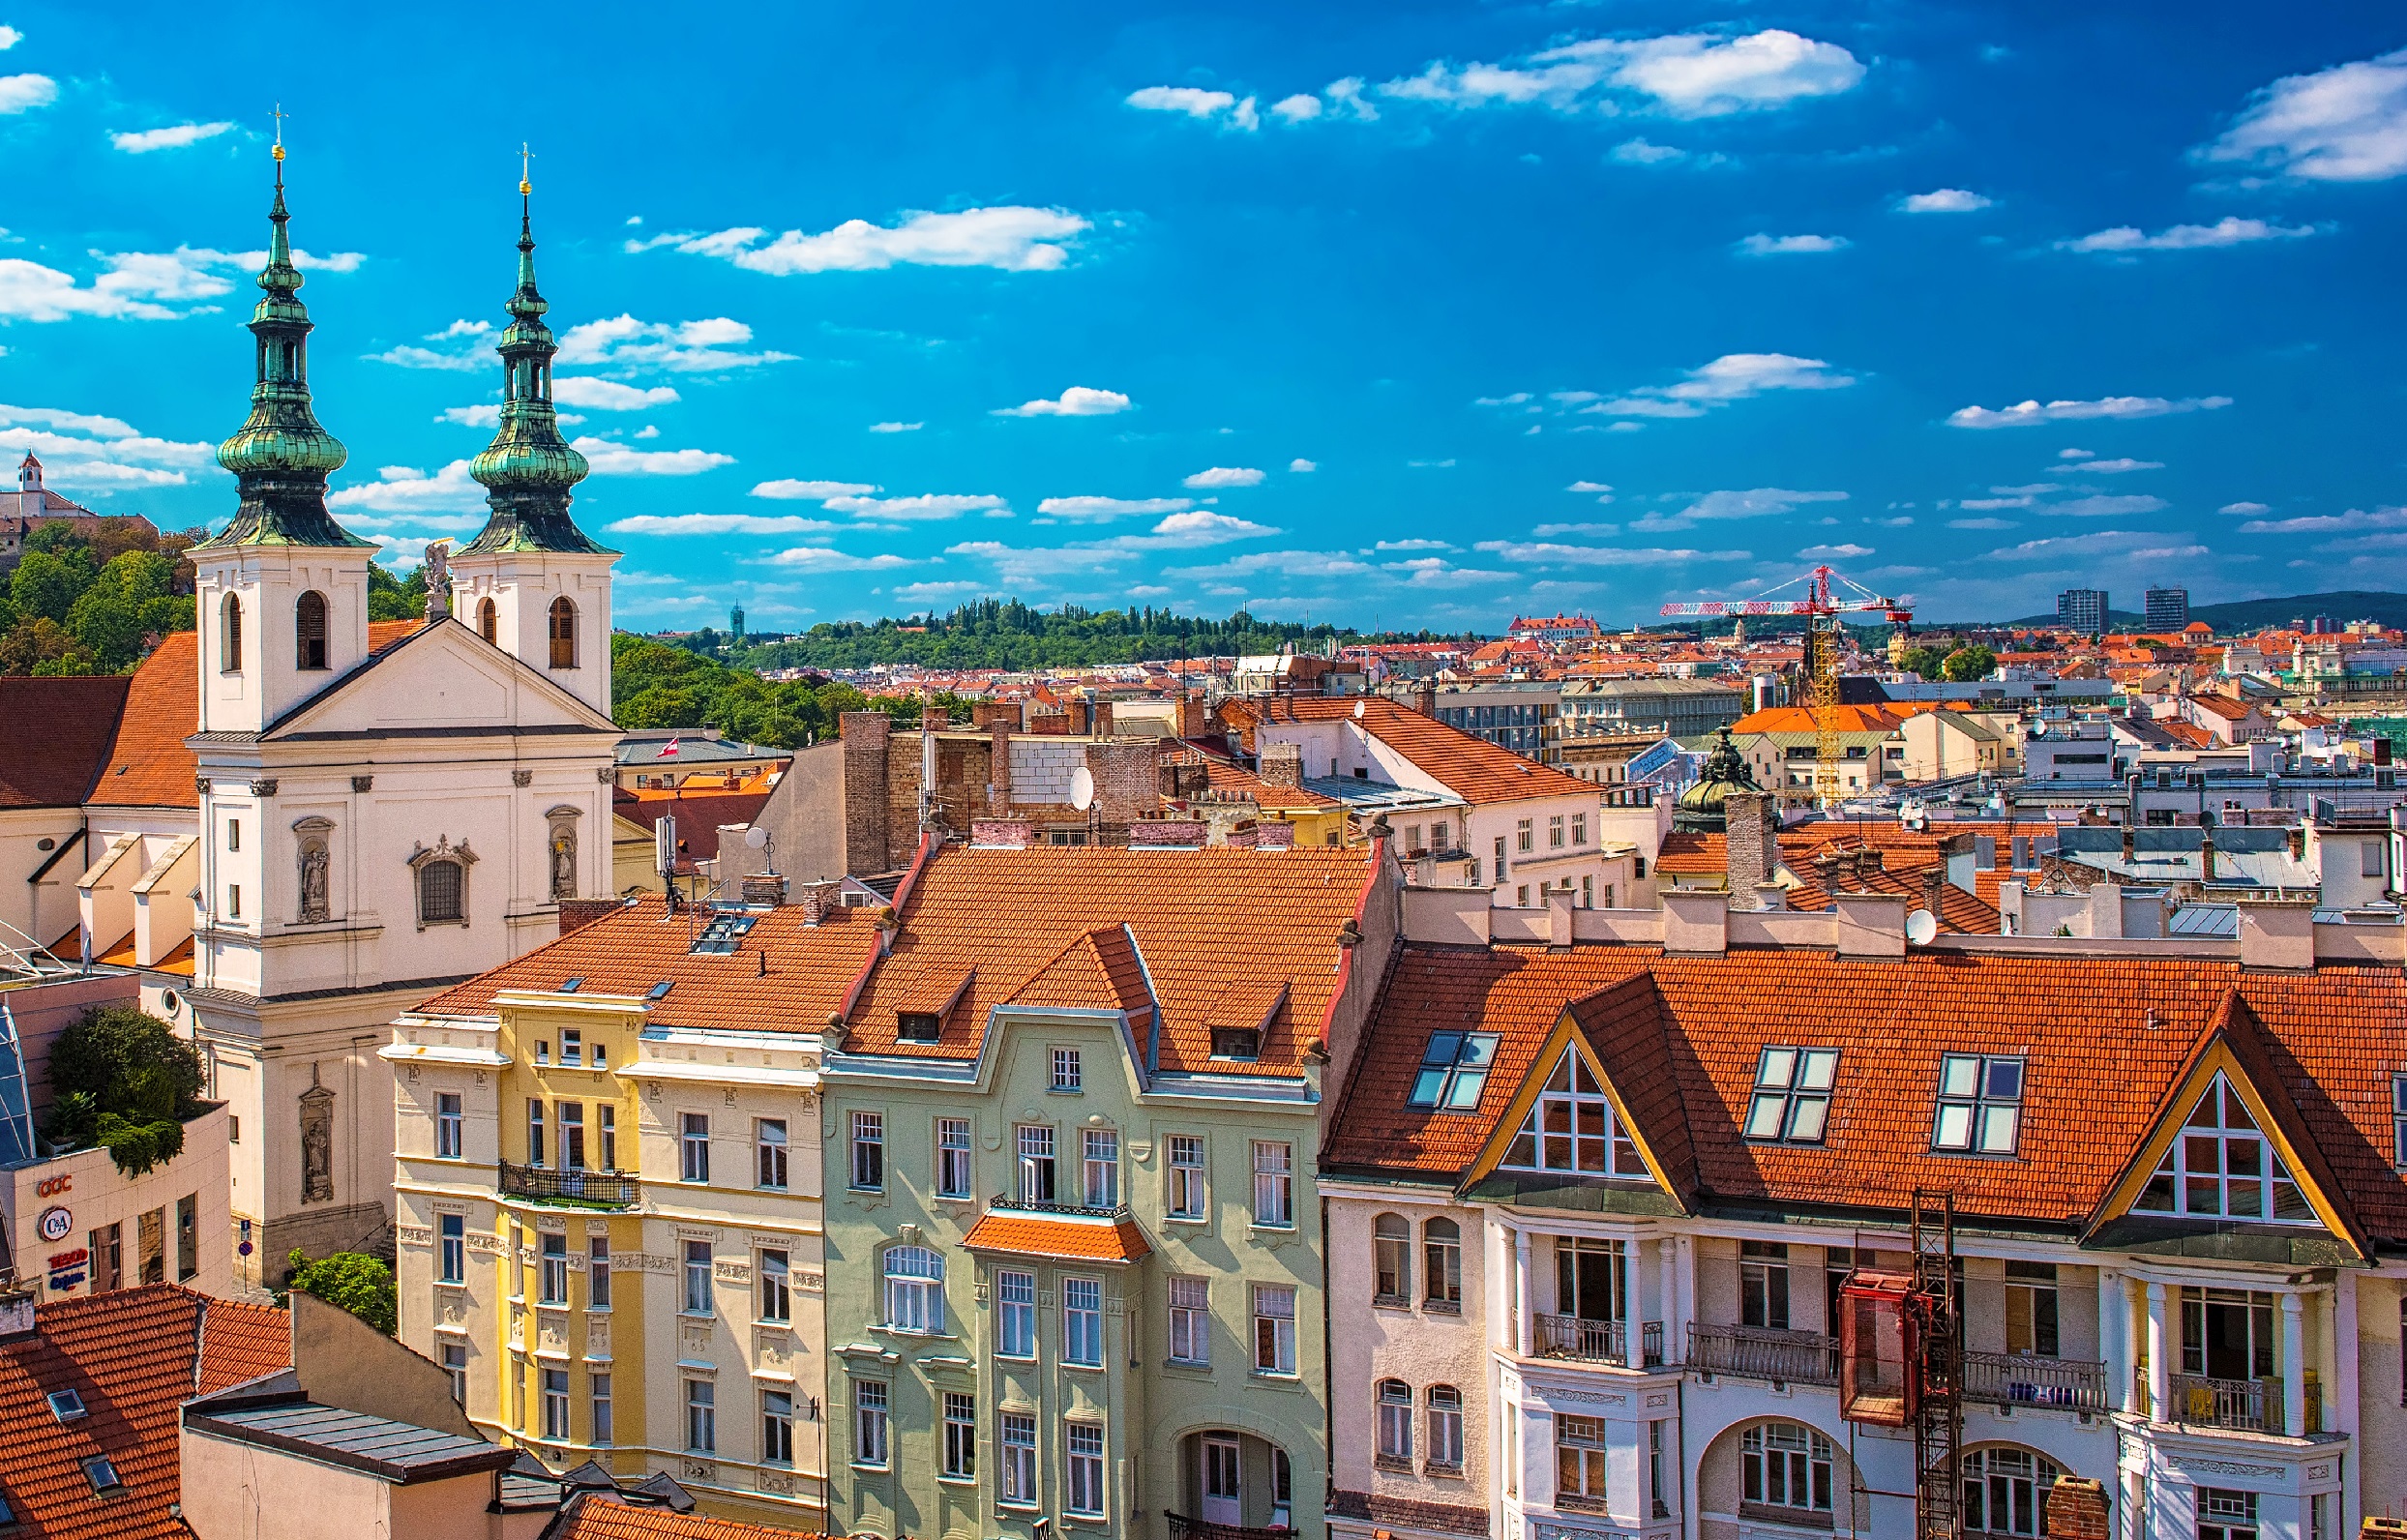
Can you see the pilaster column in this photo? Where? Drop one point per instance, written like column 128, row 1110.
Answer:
column 1522, row 1325
column 2159, row 1388
column 2133, row 1525
column 1634, row 1307
column 2293, row 1364
column 1667, row 1256
column 2114, row 1337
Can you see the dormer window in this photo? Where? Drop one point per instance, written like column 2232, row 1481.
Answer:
column 1981, row 1104
column 1791, row 1100
column 2221, row 1165
column 1574, row 1127
column 1454, row 1071
column 917, row 1027
column 1243, row 1043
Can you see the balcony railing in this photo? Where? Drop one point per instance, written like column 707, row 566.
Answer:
column 1182, row 1528
column 2199, row 1401
column 2021, row 1379
column 1034, row 1206
column 1595, row 1342
column 1757, row 1353
column 600, row 1189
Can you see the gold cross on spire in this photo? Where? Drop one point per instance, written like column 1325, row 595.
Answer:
column 525, row 168
column 280, row 131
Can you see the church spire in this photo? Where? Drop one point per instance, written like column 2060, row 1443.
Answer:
column 529, row 469
column 280, row 456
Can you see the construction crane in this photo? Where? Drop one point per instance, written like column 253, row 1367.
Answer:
column 1822, row 604
column 1901, row 1362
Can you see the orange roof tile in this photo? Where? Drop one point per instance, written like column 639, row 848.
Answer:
column 134, row 1356
column 79, row 716
column 603, row 1516
column 1063, row 1237
column 1472, row 768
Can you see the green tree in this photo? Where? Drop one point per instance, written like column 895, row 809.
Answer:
column 45, row 584
column 390, row 598
column 1924, row 662
column 106, row 626
column 360, row 1283
column 1975, row 661
column 123, row 1080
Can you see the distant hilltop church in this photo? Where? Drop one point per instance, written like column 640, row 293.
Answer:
column 294, row 824
column 33, row 505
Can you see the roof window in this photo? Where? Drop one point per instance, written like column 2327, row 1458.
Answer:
column 102, row 1474
column 66, row 1404
column 1454, row 1071
column 1981, row 1104
column 660, row 991
column 1791, row 1100
column 917, row 1027
column 572, row 986
column 724, row 932
column 1236, row 1043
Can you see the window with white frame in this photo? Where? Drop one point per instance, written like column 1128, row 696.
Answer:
column 1525, row 838
column 1274, row 1328
column 769, row 1145
column 1445, row 1429
column 534, row 1131
column 1083, row 1470
column 1579, row 1462
column 1395, row 1421
column 1441, row 1264
column 2221, row 1165
column 2005, row 1492
column 694, row 1147
column 606, row 1125
column 1068, row 1073
column 1782, row 1464
column 2226, row 1514
column 915, row 1289
column 1100, row 1167
column 1015, row 1321
column 1191, row 1321
column 1019, row 1449
column 777, row 1427
column 701, row 1416
column 1554, row 832
column 1791, row 1100
column 776, row 1300
column 869, row 1151
column 1274, row 1184
column 1981, row 1104
column 450, row 1127
column 1573, row 1128
column 698, row 1278
column 869, row 1422
column 1391, row 1260
column 556, row 1405
column 1082, row 1321
column 1035, row 1144
column 456, row 1365
column 1454, row 1071
column 953, row 1157
column 961, row 1436
column 1186, row 1170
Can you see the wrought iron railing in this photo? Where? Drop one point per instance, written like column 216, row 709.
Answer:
column 2202, row 1401
column 2022, row 1379
column 1033, row 1206
column 605, row 1188
column 1182, row 1528
column 1758, row 1352
column 1595, row 1342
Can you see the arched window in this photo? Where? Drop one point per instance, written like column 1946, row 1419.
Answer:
column 1783, row 1464
column 1442, row 1263
column 915, row 1289
column 489, row 621
column 230, row 634
column 309, row 631
column 563, row 634
column 2005, row 1492
column 1395, row 1420
column 1391, row 1259
column 1446, row 1428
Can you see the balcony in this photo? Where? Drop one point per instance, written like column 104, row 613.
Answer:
column 1595, row 1342
column 1757, row 1353
column 1182, row 1528
column 1033, row 1206
column 2021, row 1379
column 588, row 1189
column 2244, row 1406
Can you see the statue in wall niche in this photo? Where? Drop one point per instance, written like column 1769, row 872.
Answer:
column 563, row 861
column 314, row 862
column 317, row 1143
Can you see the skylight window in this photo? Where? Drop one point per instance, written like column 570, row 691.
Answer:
column 2221, row 1165
column 724, row 931
column 1791, row 1100
column 66, row 1404
column 1981, row 1104
column 1573, row 1128
column 572, row 986
column 1454, row 1071
column 919, row 1027
column 660, row 991
column 102, row 1476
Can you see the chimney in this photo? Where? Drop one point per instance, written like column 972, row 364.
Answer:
column 1751, row 848
column 1275, row 836
column 2206, row 853
column 16, row 1314
column 1871, row 925
column 1080, row 716
column 1175, row 833
column 996, row 713
column 766, row 889
column 2277, row 933
column 1102, row 719
column 997, row 767
column 1933, row 882
column 814, row 899
column 1192, row 722
column 575, row 914
column 1771, row 897
column 1425, row 698
column 2127, row 842
column 2077, row 1509
column 1282, row 764
column 933, row 719
column 864, row 737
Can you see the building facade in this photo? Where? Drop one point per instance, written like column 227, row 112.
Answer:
column 2168, row 609
column 2082, row 609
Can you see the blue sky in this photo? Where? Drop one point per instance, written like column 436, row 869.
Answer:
column 1397, row 314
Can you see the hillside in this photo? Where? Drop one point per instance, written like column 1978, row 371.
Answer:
column 2255, row 614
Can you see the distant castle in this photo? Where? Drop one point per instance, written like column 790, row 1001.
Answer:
column 33, row 505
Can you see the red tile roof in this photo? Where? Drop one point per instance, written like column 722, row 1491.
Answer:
column 130, row 1356
column 1472, row 768
column 785, row 976
column 697, row 814
column 54, row 766
column 1204, row 922
column 600, row 1516
column 2106, row 1039
column 1063, row 1237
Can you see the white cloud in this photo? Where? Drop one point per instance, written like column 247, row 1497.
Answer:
column 472, row 416
column 175, row 138
column 1346, row 99
column 2329, row 524
column 2229, row 230
column 1589, row 486
column 1207, row 105
column 2088, row 464
column 1982, row 523
column 1428, row 464
column 1546, row 554
column 617, row 460
column 682, row 347
column 928, row 506
column 1762, row 245
column 823, row 559
column 2345, row 124
column 1297, row 108
column 1761, row 502
column 1225, row 476
column 1014, row 238
column 1730, row 377
column 1983, row 504
column 2105, row 507
column 896, row 428
column 10, row 37
column 1944, row 201
column 2244, row 508
column 407, row 490
column 815, row 491
column 23, row 92
column 1078, row 400
column 2031, row 414
column 1516, row 399
column 408, row 355
column 1638, row 152
column 463, row 328
column 1833, row 552
column 2076, row 454
column 138, row 285
column 1303, row 468
column 1549, row 531
column 722, row 524
column 1689, row 74
column 1285, row 563
column 83, row 453
column 930, row 593
column 609, row 396
column 2104, row 542
column 1415, row 545
column 1432, row 572
column 1102, row 510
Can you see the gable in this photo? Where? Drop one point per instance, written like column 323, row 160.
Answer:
column 442, row 680
column 1566, row 1123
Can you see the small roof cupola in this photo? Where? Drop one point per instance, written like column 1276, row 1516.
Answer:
column 29, row 474
column 532, row 583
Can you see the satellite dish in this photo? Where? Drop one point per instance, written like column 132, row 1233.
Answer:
column 756, row 836
column 1920, row 927
column 1082, row 788
column 1358, row 705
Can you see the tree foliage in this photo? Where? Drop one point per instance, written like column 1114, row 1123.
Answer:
column 1975, row 661
column 80, row 603
column 352, row 1281
column 659, row 686
column 1924, row 662
column 390, row 598
column 124, row 1081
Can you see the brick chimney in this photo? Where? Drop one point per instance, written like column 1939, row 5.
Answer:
column 1016, row 834
column 814, row 899
column 1275, row 836
column 575, row 914
column 1193, row 723
column 865, row 734
column 996, row 713
column 997, row 767
column 1282, row 764
column 2077, row 1509
column 1751, row 846
column 1425, row 697
column 1933, row 881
